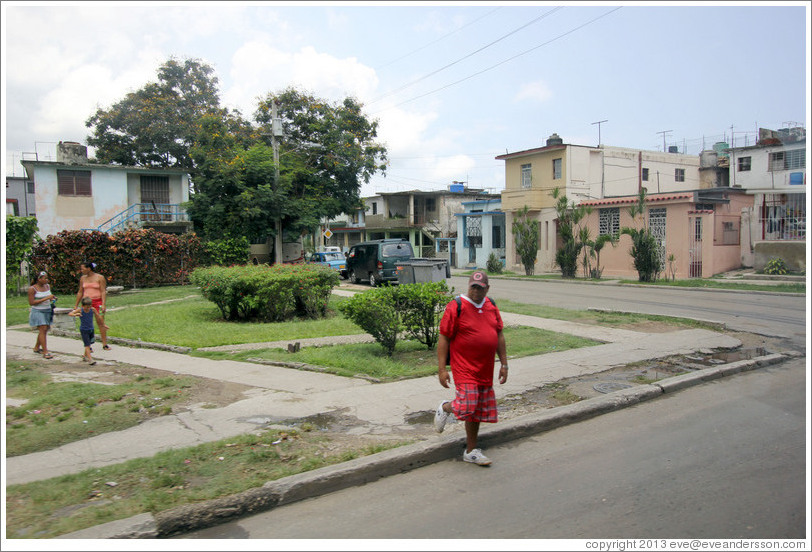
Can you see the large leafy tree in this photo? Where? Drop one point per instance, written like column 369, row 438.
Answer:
column 325, row 152
column 335, row 145
column 155, row 125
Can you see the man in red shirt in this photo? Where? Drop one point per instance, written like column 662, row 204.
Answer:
column 473, row 333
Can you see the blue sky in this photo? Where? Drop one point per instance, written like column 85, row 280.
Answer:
column 452, row 85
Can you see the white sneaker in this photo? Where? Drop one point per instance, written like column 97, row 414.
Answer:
column 476, row 457
column 440, row 417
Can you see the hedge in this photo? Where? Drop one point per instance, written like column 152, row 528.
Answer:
column 267, row 293
column 130, row 258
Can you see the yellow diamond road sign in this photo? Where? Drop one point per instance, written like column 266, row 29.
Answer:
column 327, row 234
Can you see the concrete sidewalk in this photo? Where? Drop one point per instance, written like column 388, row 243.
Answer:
column 283, row 394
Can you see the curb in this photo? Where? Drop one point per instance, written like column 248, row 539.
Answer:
column 359, row 471
column 617, row 283
column 129, row 342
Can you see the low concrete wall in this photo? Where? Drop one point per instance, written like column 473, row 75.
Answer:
column 62, row 321
column 792, row 252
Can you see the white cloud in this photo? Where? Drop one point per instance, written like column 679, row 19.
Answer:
column 260, row 68
column 534, row 91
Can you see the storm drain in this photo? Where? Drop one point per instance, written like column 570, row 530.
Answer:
column 610, row 386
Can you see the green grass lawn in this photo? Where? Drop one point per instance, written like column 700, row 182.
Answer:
column 410, row 359
column 45, row 509
column 195, row 322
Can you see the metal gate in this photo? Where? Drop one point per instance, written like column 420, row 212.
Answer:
column 473, row 234
column 695, row 247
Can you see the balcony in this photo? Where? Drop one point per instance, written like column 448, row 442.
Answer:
column 169, row 218
column 415, row 221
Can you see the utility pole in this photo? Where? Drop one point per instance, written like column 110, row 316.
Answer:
column 664, row 132
column 603, row 185
column 599, row 129
column 276, row 132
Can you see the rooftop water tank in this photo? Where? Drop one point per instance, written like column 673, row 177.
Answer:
column 457, row 188
column 720, row 147
column 673, row 149
column 554, row 140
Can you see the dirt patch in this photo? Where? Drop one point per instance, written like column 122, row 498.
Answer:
column 208, row 392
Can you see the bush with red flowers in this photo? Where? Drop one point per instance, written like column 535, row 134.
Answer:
column 129, row 258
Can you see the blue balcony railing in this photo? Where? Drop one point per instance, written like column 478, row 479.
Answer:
column 140, row 214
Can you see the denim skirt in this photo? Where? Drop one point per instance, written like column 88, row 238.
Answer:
column 39, row 317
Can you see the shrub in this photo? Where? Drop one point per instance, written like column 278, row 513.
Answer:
column 20, row 233
column 775, row 266
column 420, row 307
column 386, row 311
column 269, row 293
column 228, row 251
column 136, row 258
column 494, row 264
column 375, row 311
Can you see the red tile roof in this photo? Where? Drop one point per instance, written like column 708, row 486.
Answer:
column 628, row 200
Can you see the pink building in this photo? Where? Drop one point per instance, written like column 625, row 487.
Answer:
column 701, row 229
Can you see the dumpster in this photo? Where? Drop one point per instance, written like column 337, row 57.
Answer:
column 422, row 270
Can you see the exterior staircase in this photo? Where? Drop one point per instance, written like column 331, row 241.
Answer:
column 169, row 218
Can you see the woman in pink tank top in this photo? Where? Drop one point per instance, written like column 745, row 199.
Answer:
column 94, row 285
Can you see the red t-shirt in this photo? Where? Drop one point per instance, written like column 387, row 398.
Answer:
column 474, row 343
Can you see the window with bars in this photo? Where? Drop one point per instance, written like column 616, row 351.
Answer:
column 526, row 176
column 645, row 174
column 787, row 160
column 609, row 222
column 73, row 183
column 679, row 175
column 473, row 232
column 557, row 169
column 744, row 164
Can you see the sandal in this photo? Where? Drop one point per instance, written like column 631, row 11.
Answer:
column 47, row 356
column 106, row 347
column 38, row 351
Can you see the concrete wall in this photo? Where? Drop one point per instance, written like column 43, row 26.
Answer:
column 793, row 253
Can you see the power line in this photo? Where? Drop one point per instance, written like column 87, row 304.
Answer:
column 436, row 41
column 502, row 62
column 424, row 77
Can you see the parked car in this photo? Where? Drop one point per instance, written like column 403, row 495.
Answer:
column 377, row 261
column 333, row 259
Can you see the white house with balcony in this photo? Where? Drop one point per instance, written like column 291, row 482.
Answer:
column 773, row 171
column 73, row 193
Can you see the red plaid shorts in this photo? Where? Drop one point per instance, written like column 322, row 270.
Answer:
column 474, row 403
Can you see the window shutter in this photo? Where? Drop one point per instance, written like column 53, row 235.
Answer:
column 65, row 182
column 83, row 183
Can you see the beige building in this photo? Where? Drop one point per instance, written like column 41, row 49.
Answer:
column 583, row 173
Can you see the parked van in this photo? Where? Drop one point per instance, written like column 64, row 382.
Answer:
column 377, row 261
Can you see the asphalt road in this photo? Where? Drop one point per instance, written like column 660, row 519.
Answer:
column 768, row 314
column 725, row 459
